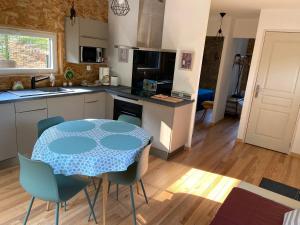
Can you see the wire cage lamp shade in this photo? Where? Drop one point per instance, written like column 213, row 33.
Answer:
column 120, row 7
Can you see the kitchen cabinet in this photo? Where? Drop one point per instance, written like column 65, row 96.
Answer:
column 109, row 106
column 95, row 106
column 70, row 107
column 8, row 139
column 168, row 125
column 85, row 32
column 28, row 114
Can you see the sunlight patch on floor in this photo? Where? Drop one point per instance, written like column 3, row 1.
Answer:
column 204, row 184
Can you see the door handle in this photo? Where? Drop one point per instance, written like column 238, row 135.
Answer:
column 257, row 89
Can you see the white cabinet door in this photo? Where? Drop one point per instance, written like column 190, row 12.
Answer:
column 70, row 107
column 8, row 139
column 28, row 114
column 158, row 121
column 93, row 29
column 94, row 106
column 109, row 107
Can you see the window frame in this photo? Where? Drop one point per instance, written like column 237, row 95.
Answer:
column 33, row 33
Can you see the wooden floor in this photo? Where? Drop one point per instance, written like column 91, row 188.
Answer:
column 188, row 189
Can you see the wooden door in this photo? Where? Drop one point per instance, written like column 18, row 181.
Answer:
column 276, row 99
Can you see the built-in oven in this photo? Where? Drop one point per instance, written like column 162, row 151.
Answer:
column 91, row 55
column 128, row 107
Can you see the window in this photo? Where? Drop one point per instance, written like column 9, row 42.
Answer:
column 23, row 51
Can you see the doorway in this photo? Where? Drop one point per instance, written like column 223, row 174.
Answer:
column 242, row 55
column 276, row 99
column 209, row 77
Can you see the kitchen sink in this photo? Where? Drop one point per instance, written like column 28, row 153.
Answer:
column 56, row 90
column 42, row 91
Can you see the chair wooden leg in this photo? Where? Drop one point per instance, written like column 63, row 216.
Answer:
column 144, row 192
column 94, row 183
column 109, row 184
column 137, row 188
column 95, row 199
column 48, row 206
column 90, row 204
column 133, row 205
column 28, row 211
column 57, row 214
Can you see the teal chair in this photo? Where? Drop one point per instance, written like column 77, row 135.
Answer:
column 38, row 180
column 47, row 123
column 130, row 119
column 131, row 176
column 50, row 122
column 44, row 125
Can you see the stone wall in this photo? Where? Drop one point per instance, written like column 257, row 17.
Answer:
column 211, row 62
column 48, row 15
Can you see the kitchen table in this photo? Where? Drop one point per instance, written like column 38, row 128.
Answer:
column 91, row 148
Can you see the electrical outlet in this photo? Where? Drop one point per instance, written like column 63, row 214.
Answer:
column 88, row 68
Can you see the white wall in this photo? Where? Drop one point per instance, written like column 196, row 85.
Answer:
column 123, row 31
column 245, row 28
column 185, row 27
column 270, row 20
column 225, row 73
column 232, row 28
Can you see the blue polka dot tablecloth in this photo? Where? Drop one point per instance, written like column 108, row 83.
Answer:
column 90, row 147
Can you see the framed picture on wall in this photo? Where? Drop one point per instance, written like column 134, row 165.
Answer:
column 186, row 60
column 123, row 55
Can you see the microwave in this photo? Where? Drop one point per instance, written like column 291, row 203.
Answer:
column 91, row 55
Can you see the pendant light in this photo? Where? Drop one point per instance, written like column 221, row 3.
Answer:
column 120, row 7
column 220, row 31
column 219, row 39
column 72, row 14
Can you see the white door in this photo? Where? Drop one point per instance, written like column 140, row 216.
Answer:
column 276, row 99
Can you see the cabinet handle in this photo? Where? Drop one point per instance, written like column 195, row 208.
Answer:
column 92, row 101
column 32, row 110
column 128, row 113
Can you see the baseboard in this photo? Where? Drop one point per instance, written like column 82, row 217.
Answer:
column 159, row 153
column 239, row 140
column 9, row 163
column 295, row 155
column 165, row 155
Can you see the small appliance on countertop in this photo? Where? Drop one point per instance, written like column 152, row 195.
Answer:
column 104, row 76
column 114, row 80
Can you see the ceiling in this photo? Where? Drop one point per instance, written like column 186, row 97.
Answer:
column 251, row 8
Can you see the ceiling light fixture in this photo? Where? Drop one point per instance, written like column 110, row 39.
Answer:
column 220, row 31
column 120, row 7
column 72, row 13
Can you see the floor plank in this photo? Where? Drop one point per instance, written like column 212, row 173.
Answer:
column 188, row 189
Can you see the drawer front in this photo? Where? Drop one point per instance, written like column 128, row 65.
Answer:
column 98, row 97
column 69, row 107
column 27, row 129
column 31, row 105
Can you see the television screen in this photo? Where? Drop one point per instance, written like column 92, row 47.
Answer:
column 152, row 66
